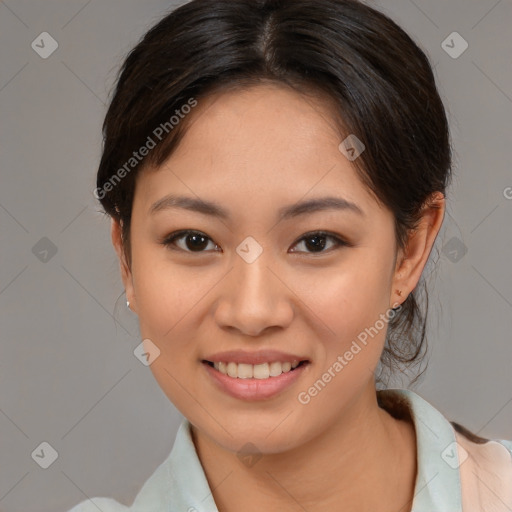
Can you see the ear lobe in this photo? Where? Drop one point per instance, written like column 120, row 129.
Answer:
column 126, row 274
column 414, row 256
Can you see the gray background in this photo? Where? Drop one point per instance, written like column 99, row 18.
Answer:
column 68, row 375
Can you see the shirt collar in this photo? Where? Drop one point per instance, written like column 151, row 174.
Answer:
column 437, row 487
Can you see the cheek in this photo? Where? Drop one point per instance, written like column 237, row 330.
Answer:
column 351, row 324
column 339, row 301
column 165, row 293
column 169, row 302
column 349, row 306
column 349, row 297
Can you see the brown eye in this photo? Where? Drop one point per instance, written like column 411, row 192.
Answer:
column 317, row 241
column 190, row 241
column 195, row 241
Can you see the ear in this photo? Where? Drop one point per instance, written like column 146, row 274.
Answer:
column 126, row 274
column 412, row 259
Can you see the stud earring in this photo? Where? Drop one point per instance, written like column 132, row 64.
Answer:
column 127, row 303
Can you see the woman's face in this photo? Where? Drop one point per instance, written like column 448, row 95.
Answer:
column 257, row 282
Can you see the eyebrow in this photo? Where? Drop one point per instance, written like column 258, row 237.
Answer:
column 284, row 213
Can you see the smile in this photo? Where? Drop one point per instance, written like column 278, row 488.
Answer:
column 254, row 381
column 256, row 371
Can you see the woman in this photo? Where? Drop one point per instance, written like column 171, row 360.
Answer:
column 276, row 175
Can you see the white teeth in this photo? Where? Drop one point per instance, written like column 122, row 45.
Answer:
column 245, row 371
column 275, row 369
column 256, row 371
column 233, row 370
column 261, row 371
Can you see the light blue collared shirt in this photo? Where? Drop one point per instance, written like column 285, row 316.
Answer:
column 179, row 483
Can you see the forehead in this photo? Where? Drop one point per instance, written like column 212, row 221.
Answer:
column 263, row 141
column 270, row 116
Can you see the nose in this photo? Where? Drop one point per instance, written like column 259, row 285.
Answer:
column 254, row 299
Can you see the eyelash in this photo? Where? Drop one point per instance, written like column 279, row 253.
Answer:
column 170, row 239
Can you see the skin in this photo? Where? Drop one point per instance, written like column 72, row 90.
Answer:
column 253, row 152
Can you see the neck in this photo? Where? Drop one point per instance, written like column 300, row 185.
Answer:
column 366, row 460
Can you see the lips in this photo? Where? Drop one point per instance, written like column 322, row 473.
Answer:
column 255, row 375
column 251, row 389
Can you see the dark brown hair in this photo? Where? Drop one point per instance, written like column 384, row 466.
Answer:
column 379, row 82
